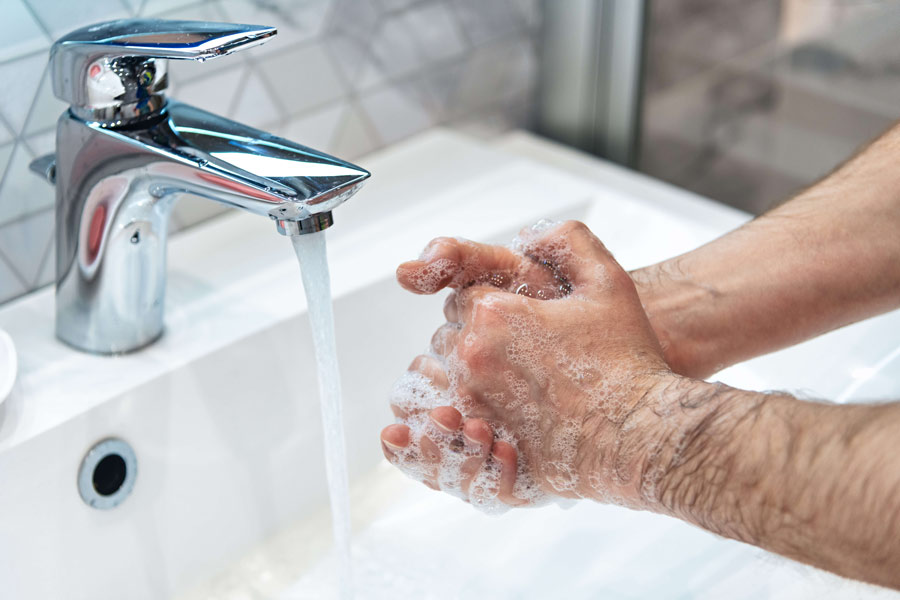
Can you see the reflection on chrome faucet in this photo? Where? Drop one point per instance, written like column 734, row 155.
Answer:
column 125, row 154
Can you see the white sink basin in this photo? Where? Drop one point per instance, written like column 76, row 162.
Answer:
column 229, row 500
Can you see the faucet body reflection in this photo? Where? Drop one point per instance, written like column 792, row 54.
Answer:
column 122, row 161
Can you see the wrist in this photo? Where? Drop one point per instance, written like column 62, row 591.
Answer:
column 627, row 451
column 672, row 304
column 703, row 427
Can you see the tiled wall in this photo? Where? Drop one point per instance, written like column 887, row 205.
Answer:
column 749, row 101
column 344, row 76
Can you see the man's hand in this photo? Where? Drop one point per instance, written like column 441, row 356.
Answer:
column 561, row 384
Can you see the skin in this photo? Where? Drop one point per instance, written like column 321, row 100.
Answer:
column 617, row 412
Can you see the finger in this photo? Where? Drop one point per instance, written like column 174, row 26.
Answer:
column 445, row 339
column 411, row 395
column 457, row 263
column 446, row 418
column 451, row 311
column 575, row 253
column 394, row 438
column 431, row 457
column 479, row 437
column 431, row 368
column 507, row 458
column 488, row 305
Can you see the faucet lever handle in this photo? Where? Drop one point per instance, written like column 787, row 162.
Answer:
column 102, row 66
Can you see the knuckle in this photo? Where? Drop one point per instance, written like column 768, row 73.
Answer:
column 574, row 227
column 489, row 309
column 442, row 339
column 619, row 277
column 474, row 350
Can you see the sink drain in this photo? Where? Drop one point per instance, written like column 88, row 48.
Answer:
column 107, row 474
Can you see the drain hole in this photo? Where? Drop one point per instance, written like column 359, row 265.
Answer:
column 109, row 474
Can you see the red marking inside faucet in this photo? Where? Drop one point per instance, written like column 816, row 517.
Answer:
column 95, row 232
column 94, row 71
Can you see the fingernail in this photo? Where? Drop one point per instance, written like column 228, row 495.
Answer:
column 470, row 440
column 495, row 457
column 393, row 447
column 440, row 425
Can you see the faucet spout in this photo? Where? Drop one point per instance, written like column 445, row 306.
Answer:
column 250, row 169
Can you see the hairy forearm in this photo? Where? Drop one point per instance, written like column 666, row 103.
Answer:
column 827, row 258
column 815, row 482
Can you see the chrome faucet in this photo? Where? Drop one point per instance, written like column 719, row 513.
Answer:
column 124, row 155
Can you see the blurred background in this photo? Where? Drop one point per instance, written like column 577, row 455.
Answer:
column 743, row 101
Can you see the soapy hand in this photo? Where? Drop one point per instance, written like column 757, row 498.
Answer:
column 546, row 381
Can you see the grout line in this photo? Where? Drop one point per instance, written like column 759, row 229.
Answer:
column 128, row 8
column 23, row 56
column 34, row 99
column 3, row 177
column 28, row 214
column 5, row 124
column 269, row 88
column 38, row 21
column 15, row 274
column 35, row 283
column 15, row 271
column 239, row 92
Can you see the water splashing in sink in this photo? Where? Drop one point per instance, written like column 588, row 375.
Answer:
column 310, row 249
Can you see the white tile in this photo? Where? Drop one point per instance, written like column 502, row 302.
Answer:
column 255, row 106
column 25, row 242
column 213, row 93
column 530, row 11
column 134, row 6
column 41, row 143
column 354, row 136
column 11, row 286
column 296, row 20
column 497, row 73
column 23, row 192
column 436, row 31
column 370, row 76
column 46, row 109
column 6, row 151
column 395, row 5
column 394, row 51
column 439, row 87
column 394, row 114
column 156, row 8
column 353, row 18
column 21, row 79
column 350, row 54
column 19, row 32
column 487, row 21
column 302, row 78
column 316, row 129
column 59, row 18
column 6, row 135
column 47, row 273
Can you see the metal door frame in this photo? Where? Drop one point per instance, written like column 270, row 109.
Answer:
column 590, row 76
